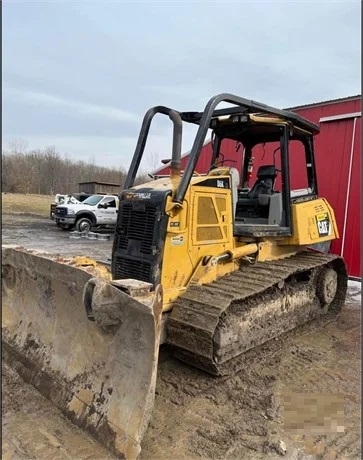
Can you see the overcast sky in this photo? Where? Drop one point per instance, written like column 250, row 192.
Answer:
column 80, row 75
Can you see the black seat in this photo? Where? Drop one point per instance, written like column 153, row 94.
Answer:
column 255, row 203
column 266, row 176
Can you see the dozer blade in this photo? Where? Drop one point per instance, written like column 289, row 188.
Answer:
column 102, row 378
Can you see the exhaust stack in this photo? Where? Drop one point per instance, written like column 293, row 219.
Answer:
column 175, row 164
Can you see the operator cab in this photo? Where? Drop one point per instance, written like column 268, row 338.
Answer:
column 262, row 204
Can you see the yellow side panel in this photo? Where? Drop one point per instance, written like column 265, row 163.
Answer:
column 201, row 229
column 210, row 216
column 312, row 222
column 211, row 228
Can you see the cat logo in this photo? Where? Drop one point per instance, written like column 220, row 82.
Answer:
column 323, row 224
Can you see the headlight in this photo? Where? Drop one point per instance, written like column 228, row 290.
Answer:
column 70, row 212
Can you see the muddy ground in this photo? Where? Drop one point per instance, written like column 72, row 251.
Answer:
column 42, row 234
column 196, row 415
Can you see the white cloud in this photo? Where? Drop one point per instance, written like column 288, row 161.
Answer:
column 67, row 105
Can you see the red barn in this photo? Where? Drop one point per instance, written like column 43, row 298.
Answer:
column 338, row 163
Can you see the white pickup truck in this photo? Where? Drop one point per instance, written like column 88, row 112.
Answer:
column 95, row 211
column 74, row 198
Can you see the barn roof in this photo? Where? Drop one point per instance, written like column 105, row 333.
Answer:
column 328, row 102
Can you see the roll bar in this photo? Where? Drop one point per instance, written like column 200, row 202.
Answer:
column 141, row 142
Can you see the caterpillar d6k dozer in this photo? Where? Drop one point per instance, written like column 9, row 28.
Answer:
column 206, row 264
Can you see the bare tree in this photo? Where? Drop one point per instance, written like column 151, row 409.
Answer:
column 18, row 146
column 48, row 172
column 154, row 162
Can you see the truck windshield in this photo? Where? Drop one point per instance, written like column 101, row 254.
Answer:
column 93, row 200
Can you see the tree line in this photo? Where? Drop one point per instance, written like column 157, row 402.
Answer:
column 47, row 172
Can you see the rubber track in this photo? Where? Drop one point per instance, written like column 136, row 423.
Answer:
column 197, row 313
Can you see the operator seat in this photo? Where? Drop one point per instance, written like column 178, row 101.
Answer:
column 266, row 177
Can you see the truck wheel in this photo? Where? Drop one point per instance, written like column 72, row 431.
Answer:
column 83, row 225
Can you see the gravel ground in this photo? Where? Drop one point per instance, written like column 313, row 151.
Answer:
column 42, row 234
column 197, row 415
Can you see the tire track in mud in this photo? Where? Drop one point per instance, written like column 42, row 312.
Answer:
column 241, row 416
column 225, row 417
column 328, row 362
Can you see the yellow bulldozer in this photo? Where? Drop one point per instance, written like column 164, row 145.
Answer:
column 203, row 264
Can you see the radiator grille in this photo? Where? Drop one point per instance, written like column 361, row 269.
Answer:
column 128, row 268
column 137, row 225
column 60, row 211
column 136, row 241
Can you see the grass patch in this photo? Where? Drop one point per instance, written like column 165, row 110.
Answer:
column 13, row 203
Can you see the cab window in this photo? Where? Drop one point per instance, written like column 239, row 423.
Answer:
column 111, row 202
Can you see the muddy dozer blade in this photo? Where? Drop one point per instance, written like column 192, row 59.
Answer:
column 102, row 378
